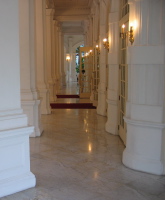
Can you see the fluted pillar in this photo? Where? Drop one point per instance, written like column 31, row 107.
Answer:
column 113, row 64
column 49, row 63
column 73, row 67
column 70, row 41
column 40, row 56
column 62, row 61
column 29, row 99
column 145, row 145
column 60, row 52
column 56, row 43
column 15, row 174
column 101, row 108
column 53, row 58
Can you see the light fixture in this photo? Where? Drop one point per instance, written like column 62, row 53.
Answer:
column 68, row 58
column 106, row 43
column 123, row 34
column 131, row 36
column 130, row 33
column 97, row 48
column 90, row 52
column 86, row 54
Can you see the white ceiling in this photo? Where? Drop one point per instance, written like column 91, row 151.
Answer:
column 72, row 14
column 72, row 3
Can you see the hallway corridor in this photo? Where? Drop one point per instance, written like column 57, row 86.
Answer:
column 75, row 159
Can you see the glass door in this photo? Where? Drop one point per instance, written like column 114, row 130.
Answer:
column 85, row 75
column 96, row 77
column 123, row 83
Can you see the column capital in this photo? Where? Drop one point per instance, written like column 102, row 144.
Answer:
column 49, row 12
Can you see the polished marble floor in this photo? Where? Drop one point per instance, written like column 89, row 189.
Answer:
column 75, row 159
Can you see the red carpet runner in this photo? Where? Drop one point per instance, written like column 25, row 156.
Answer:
column 67, row 96
column 72, row 106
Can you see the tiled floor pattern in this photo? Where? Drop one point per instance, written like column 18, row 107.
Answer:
column 75, row 159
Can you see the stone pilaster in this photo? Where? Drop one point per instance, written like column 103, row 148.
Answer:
column 30, row 102
column 56, row 43
column 113, row 64
column 101, row 108
column 40, row 57
column 70, row 41
column 49, row 63
column 62, row 61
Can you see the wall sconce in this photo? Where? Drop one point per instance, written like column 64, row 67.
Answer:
column 97, row 48
column 67, row 58
column 106, row 43
column 90, row 52
column 123, row 34
column 86, row 54
column 130, row 34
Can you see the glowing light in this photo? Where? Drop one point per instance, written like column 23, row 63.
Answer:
column 105, row 40
column 67, row 57
column 123, row 26
column 89, row 147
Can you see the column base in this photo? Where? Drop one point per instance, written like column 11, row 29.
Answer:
column 32, row 110
column 52, row 92
column 111, row 128
column 101, row 108
column 140, row 163
column 144, row 146
column 17, row 184
column 45, row 102
column 92, row 96
column 112, row 117
column 15, row 174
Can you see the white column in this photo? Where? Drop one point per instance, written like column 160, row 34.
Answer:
column 70, row 41
column 49, row 64
column 60, row 51
column 40, row 57
column 53, row 58
column 62, row 61
column 113, row 61
column 73, row 67
column 145, row 145
column 15, row 172
column 101, row 108
column 56, row 43
column 30, row 103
